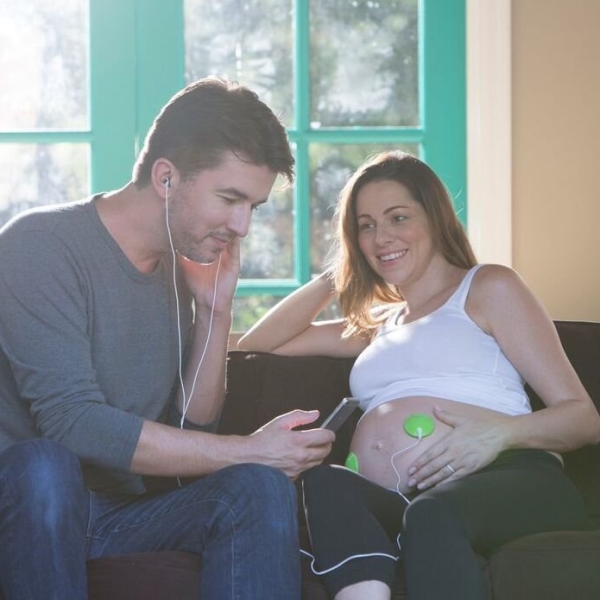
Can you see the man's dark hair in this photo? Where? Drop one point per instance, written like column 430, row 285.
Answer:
column 206, row 119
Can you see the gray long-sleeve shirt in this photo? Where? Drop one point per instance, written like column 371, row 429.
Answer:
column 88, row 344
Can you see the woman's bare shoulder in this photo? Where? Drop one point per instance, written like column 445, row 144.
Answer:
column 496, row 288
column 493, row 277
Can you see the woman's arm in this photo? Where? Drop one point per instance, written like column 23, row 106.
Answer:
column 289, row 327
column 504, row 307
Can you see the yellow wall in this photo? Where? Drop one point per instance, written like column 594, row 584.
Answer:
column 556, row 153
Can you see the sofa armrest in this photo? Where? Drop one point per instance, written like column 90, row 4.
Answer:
column 581, row 341
column 261, row 386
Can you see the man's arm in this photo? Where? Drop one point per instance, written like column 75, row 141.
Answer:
column 168, row 451
column 204, row 381
column 202, row 393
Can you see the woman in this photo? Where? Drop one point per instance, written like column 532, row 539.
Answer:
column 441, row 337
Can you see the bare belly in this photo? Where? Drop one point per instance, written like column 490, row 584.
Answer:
column 380, row 435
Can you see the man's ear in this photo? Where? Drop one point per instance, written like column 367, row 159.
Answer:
column 164, row 176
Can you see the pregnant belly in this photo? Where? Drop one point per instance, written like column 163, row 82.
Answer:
column 380, row 435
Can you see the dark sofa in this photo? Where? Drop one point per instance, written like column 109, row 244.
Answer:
column 549, row 566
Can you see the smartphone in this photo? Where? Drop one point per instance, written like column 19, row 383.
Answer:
column 340, row 414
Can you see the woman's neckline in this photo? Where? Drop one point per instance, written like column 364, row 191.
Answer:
column 433, row 312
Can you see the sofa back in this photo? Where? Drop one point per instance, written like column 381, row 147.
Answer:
column 262, row 385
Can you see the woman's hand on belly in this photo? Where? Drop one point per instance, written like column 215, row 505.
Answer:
column 380, row 438
column 465, row 436
column 476, row 436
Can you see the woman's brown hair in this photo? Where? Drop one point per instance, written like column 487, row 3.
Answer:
column 358, row 286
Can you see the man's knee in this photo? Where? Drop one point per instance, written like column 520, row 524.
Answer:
column 41, row 475
column 264, row 485
column 262, row 496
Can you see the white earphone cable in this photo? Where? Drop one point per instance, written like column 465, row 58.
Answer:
column 186, row 399
column 370, row 554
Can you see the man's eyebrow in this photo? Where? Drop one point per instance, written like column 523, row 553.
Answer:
column 231, row 191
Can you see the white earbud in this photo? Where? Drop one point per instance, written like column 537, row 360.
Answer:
column 167, row 182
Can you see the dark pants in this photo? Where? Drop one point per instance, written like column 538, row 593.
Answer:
column 441, row 530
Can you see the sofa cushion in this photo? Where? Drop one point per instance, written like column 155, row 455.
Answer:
column 553, row 566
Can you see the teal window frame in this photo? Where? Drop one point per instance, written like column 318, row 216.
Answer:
column 137, row 63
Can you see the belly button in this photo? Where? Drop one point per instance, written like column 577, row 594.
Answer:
column 377, row 445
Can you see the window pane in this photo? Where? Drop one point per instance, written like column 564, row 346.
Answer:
column 247, row 310
column 331, row 166
column 43, row 64
column 268, row 250
column 36, row 174
column 250, row 42
column 364, row 63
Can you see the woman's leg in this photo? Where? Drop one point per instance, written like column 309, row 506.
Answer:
column 522, row 492
column 349, row 516
column 373, row 590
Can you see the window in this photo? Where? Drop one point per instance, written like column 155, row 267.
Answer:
column 44, row 152
column 349, row 78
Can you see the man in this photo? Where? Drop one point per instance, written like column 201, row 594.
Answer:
column 114, row 322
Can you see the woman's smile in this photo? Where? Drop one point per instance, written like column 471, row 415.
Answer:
column 392, row 257
column 393, row 231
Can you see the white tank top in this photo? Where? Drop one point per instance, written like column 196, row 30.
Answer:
column 444, row 355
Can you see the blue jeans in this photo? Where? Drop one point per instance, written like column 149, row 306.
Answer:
column 241, row 519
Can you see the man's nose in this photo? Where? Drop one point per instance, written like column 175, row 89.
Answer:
column 239, row 223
